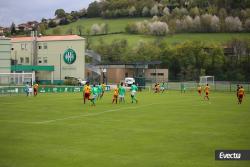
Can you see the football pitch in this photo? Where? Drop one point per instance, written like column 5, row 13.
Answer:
column 162, row 130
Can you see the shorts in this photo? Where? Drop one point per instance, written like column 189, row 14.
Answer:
column 199, row 91
column 87, row 95
column 240, row 96
column 115, row 96
column 121, row 96
column 35, row 90
column 133, row 93
column 95, row 96
column 206, row 93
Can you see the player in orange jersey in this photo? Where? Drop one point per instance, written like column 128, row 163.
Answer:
column 206, row 90
column 199, row 90
column 241, row 94
column 115, row 96
column 35, row 88
column 87, row 92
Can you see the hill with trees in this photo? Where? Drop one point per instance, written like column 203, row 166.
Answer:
column 190, row 37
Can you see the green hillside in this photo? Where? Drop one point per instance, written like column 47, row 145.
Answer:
column 118, row 25
column 115, row 25
column 217, row 38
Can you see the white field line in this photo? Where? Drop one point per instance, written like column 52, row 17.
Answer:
column 93, row 114
column 77, row 116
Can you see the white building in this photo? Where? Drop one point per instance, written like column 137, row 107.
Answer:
column 51, row 57
column 5, row 47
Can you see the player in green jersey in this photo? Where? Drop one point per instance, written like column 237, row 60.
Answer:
column 94, row 92
column 121, row 91
column 133, row 90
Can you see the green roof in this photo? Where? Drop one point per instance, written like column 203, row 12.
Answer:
column 31, row 68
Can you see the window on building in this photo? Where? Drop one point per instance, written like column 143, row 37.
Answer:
column 45, row 60
column 23, row 46
column 27, row 59
column 39, row 47
column 39, row 60
column 21, row 60
column 159, row 74
column 45, row 46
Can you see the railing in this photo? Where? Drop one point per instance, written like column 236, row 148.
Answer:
column 225, row 86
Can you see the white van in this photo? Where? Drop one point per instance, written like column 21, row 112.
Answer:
column 129, row 81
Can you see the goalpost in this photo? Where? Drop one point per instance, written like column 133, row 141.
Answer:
column 14, row 83
column 206, row 80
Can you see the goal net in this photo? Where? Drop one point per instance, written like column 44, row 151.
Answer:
column 14, row 83
column 206, row 80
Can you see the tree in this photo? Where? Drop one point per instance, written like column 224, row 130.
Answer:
column 42, row 29
column 158, row 28
column 176, row 13
column 132, row 11
column 80, row 29
column 183, row 12
column 154, row 11
column 94, row 9
column 194, row 12
column 247, row 25
column 197, row 24
column 233, row 24
column 13, row 28
column 206, row 22
column 95, row 29
column 166, row 11
column 105, row 28
column 215, row 24
column 52, row 24
column 60, row 13
column 64, row 21
column 145, row 11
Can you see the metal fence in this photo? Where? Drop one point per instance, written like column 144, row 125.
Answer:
column 225, row 86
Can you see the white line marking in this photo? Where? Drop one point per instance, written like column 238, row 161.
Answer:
column 94, row 114
column 78, row 116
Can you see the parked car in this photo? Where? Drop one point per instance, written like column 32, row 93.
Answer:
column 129, row 81
column 81, row 82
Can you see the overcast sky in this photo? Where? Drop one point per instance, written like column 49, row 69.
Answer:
column 20, row 11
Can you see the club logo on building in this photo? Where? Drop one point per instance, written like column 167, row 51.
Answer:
column 69, row 56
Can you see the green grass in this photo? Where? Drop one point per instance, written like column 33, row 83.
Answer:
column 210, row 38
column 162, row 130
column 115, row 25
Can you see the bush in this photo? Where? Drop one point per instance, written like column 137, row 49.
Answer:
column 197, row 24
column 132, row 11
column 233, row 24
column 145, row 27
column 215, row 24
column 206, row 22
column 247, row 25
column 145, row 11
column 194, row 12
column 95, row 29
column 154, row 11
column 158, row 28
column 166, row 11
